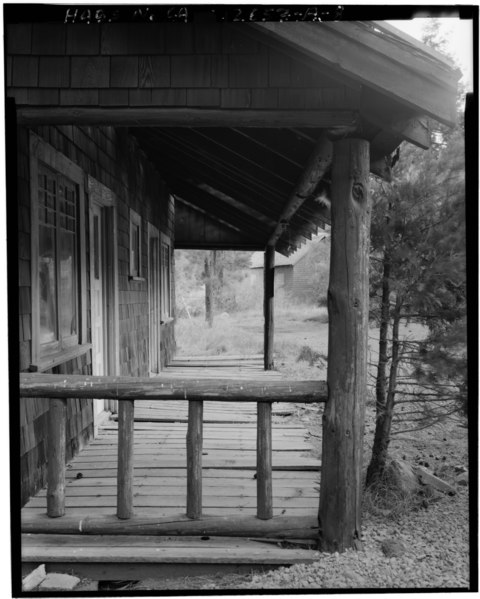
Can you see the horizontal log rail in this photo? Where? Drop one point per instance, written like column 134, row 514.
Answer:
column 169, row 388
column 60, row 388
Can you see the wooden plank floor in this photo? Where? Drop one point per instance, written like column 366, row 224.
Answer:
column 229, row 465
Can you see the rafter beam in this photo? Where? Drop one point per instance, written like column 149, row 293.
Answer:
column 316, row 167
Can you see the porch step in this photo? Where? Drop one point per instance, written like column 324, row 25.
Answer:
column 110, row 557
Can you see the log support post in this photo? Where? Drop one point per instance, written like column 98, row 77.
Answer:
column 125, row 459
column 268, row 305
column 343, row 420
column 57, row 418
column 264, row 460
column 194, row 459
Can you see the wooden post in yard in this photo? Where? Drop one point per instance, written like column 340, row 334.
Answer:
column 268, row 311
column 57, row 418
column 343, row 420
column 125, row 459
column 194, row 459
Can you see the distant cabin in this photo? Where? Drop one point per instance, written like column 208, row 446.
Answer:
column 302, row 276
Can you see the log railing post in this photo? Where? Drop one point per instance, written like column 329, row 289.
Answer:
column 125, row 459
column 194, row 459
column 57, row 418
column 268, row 305
column 264, row 460
column 343, row 419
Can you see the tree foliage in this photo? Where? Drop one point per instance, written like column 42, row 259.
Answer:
column 418, row 275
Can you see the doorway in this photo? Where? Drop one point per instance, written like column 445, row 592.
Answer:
column 103, row 286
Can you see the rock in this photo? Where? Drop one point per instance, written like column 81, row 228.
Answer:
column 462, row 479
column 33, row 579
column 59, row 582
column 403, row 477
column 428, row 478
column 353, row 579
column 393, row 548
column 460, row 469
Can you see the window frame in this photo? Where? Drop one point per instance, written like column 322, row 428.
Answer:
column 46, row 356
column 166, row 314
column 135, row 223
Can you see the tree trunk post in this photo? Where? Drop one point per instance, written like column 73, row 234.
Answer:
column 264, row 460
column 125, row 459
column 343, row 420
column 268, row 310
column 209, row 289
column 57, row 418
column 194, row 459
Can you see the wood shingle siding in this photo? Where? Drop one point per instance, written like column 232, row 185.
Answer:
column 113, row 158
column 179, row 65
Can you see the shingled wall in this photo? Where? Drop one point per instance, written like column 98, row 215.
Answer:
column 161, row 64
column 113, row 158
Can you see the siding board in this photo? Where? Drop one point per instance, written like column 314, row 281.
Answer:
column 25, row 71
column 154, row 71
column 54, row 71
column 90, row 71
column 191, row 71
column 48, row 38
column 83, row 39
column 124, row 71
column 19, row 38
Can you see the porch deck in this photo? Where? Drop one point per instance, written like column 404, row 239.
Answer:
column 160, row 486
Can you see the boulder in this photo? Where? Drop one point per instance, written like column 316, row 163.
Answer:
column 32, row 580
column 402, row 477
column 393, row 548
column 462, row 479
column 59, row 582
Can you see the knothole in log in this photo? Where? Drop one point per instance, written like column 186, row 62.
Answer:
column 358, row 192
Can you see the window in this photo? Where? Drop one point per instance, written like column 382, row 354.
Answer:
column 58, row 256
column 135, row 245
column 166, row 268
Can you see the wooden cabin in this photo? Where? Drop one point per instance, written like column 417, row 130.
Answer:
column 129, row 137
column 297, row 277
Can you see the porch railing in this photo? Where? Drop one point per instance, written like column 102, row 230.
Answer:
column 60, row 388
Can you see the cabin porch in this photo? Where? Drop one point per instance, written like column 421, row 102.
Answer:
column 159, row 538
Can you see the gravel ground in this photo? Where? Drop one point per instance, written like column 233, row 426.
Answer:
column 434, row 532
column 436, row 542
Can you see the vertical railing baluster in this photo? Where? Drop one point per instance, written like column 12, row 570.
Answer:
column 264, row 460
column 194, row 459
column 125, row 459
column 57, row 419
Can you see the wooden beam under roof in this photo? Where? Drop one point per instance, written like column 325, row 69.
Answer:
column 318, row 163
column 216, row 207
column 221, row 154
column 182, row 117
column 210, row 169
column 187, row 162
column 227, row 143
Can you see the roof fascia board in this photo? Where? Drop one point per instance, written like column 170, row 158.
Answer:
column 366, row 65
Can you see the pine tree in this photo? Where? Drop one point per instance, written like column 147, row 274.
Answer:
column 417, row 274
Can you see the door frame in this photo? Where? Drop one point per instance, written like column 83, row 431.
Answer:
column 154, row 233
column 103, row 197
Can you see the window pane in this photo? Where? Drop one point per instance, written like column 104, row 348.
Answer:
column 47, row 283
column 67, row 284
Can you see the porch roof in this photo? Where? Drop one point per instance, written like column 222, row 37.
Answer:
column 232, row 183
column 238, row 118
